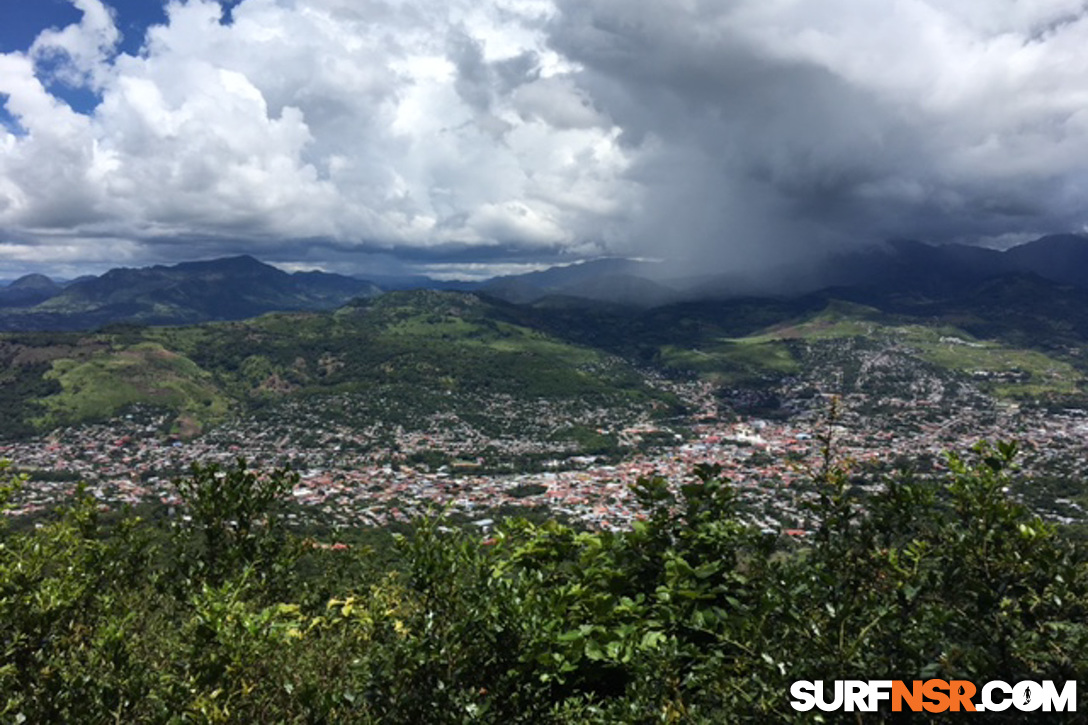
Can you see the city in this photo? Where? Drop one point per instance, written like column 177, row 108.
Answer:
column 371, row 477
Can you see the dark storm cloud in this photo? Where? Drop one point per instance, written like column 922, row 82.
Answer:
column 755, row 144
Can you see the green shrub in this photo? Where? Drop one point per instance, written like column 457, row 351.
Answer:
column 689, row 616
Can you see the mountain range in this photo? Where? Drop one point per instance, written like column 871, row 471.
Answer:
column 899, row 272
column 1012, row 324
column 223, row 289
column 902, row 267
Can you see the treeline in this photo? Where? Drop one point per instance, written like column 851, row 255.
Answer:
column 21, row 387
column 220, row 613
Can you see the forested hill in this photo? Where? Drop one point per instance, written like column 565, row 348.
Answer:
column 436, row 346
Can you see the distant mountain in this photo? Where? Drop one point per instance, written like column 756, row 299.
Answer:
column 332, row 290
column 904, row 268
column 404, row 282
column 223, row 289
column 29, row 290
column 621, row 281
column 899, row 274
column 1059, row 258
column 910, row 266
column 34, row 282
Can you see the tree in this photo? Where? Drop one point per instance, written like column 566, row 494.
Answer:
column 234, row 518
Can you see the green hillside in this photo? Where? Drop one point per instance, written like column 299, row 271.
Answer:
column 422, row 345
column 144, row 373
column 406, row 355
column 793, row 346
column 441, row 340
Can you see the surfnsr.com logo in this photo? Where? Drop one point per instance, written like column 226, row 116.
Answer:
column 932, row 696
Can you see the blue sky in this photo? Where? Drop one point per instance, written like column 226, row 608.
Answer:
column 23, row 20
column 485, row 135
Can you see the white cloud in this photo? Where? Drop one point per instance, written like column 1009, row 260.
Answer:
column 478, row 271
column 358, row 125
column 83, row 50
column 745, row 129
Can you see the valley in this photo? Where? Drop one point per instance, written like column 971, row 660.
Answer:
column 416, row 402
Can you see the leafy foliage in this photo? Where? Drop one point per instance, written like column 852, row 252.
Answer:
column 690, row 616
column 231, row 519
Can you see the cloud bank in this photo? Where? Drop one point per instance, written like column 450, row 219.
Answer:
column 512, row 131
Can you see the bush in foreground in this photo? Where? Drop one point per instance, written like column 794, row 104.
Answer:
column 688, row 617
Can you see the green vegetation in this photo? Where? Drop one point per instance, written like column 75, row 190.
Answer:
column 735, row 362
column 590, row 441
column 837, row 320
column 792, row 347
column 1005, row 371
column 107, row 382
column 224, row 615
column 422, row 345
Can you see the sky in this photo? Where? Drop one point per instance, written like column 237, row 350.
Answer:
column 478, row 137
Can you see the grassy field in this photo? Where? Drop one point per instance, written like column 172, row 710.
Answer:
column 145, row 373
column 734, row 362
column 837, row 320
column 1004, row 371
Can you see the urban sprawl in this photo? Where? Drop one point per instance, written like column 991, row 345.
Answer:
column 346, row 479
